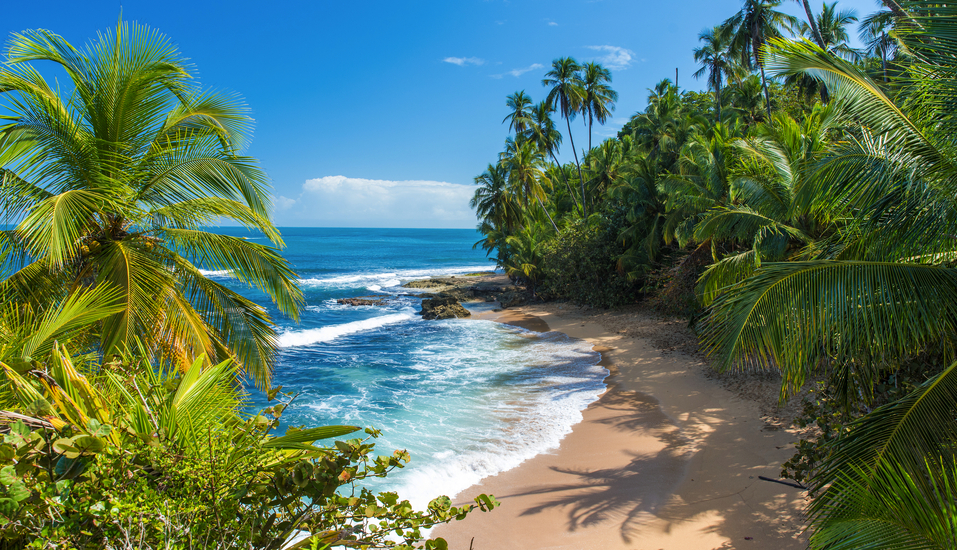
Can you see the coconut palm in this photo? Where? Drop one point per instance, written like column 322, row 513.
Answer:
column 876, row 34
column 816, row 34
column 751, row 28
column 599, row 99
column 518, row 118
column 715, row 62
column 567, row 96
column 493, row 200
column 548, row 139
column 114, row 184
column 526, row 174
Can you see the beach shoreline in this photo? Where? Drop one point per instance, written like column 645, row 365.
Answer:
column 668, row 457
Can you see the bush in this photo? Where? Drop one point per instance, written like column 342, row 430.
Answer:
column 580, row 266
column 135, row 458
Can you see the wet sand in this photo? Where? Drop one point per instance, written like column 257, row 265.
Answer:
column 667, row 458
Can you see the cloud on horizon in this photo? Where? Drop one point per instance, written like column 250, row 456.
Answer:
column 615, row 58
column 462, row 61
column 340, row 201
column 519, row 72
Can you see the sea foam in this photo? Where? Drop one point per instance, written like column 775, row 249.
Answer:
column 296, row 338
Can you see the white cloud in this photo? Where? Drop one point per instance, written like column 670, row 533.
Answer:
column 519, row 72
column 462, row 61
column 552, row 23
column 340, row 201
column 282, row 203
column 615, row 58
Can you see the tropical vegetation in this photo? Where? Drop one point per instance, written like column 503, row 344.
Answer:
column 124, row 412
column 801, row 213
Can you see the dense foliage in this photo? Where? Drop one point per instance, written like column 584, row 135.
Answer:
column 123, row 409
column 802, row 213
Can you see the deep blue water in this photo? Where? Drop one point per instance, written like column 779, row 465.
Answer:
column 467, row 398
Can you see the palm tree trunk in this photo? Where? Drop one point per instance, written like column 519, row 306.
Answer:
column 581, row 178
column 884, row 56
column 767, row 94
column 540, row 203
column 717, row 101
column 814, row 29
column 567, row 185
column 589, row 128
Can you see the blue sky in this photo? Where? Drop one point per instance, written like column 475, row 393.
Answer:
column 380, row 113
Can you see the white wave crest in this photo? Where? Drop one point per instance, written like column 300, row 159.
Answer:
column 388, row 279
column 216, row 273
column 308, row 337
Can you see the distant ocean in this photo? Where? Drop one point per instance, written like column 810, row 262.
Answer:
column 467, row 398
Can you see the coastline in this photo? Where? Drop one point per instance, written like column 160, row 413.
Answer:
column 666, row 458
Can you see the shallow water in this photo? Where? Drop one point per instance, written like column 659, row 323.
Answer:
column 466, row 398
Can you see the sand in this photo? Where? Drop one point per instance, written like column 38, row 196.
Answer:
column 668, row 458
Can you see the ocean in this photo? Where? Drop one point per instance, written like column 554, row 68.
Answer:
column 467, row 398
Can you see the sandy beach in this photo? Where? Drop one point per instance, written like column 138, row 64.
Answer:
column 668, row 458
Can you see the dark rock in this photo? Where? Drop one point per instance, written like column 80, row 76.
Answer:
column 514, row 297
column 364, row 301
column 444, row 307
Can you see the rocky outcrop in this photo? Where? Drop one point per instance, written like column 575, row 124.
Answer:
column 444, row 307
column 514, row 297
column 363, row 301
column 483, row 288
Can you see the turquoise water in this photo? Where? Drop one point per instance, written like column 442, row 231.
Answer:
column 467, row 398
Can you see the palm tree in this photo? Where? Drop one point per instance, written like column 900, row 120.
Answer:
column 816, row 34
column 518, row 117
column 544, row 134
column 751, row 28
column 715, row 62
column 599, row 98
column 114, row 186
column 493, row 201
column 875, row 33
column 526, row 174
column 566, row 96
column 885, row 290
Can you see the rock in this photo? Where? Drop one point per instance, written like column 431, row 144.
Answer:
column 445, row 307
column 430, row 283
column 512, row 298
column 364, row 301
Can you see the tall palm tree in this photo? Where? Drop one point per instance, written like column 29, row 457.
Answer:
column 526, row 174
column 518, row 117
column 566, row 96
column 751, row 28
column 876, row 34
column 548, row 138
column 493, row 201
column 114, row 185
column 832, row 24
column 599, row 99
column 715, row 62
column 816, row 34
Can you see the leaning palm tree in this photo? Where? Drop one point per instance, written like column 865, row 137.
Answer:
column 716, row 63
column 599, row 99
column 115, row 184
column 493, row 201
column 751, row 28
column 566, row 96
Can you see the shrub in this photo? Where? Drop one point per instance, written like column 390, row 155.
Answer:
column 580, row 266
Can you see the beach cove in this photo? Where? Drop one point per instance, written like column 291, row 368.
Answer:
column 668, row 457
